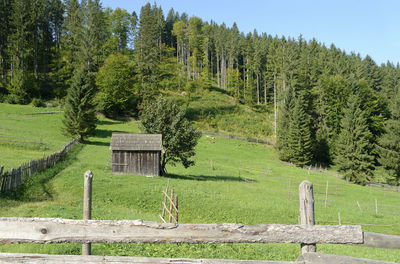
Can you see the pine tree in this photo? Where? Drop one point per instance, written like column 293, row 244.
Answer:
column 299, row 133
column 79, row 113
column 389, row 144
column 354, row 147
column 330, row 96
column 92, row 36
column 5, row 14
column 147, row 52
column 18, row 52
column 74, row 31
column 283, row 124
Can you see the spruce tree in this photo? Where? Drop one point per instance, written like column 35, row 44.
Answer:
column 18, row 51
column 389, row 144
column 299, row 134
column 284, row 115
column 147, row 52
column 79, row 113
column 354, row 147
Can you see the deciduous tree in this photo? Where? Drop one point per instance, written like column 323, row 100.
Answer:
column 162, row 116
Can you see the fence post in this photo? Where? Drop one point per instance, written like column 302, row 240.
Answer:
column 306, row 200
column 12, row 180
column 87, row 206
column 326, row 193
column 2, row 181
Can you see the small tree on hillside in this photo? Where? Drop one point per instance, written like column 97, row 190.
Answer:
column 299, row 134
column 354, row 147
column 79, row 114
column 164, row 117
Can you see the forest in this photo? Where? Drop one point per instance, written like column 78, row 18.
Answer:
column 329, row 106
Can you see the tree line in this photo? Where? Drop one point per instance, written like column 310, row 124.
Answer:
column 329, row 106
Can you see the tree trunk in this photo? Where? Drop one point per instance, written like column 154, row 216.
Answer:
column 218, row 77
column 265, row 91
column 275, row 105
column 258, row 88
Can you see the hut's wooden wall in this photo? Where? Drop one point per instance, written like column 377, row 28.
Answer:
column 136, row 162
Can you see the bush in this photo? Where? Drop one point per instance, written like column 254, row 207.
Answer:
column 37, row 102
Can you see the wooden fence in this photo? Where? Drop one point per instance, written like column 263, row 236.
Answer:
column 253, row 140
column 56, row 230
column 16, row 176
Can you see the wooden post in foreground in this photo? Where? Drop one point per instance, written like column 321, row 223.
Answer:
column 306, row 200
column 87, row 206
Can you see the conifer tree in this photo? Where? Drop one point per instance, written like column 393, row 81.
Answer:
column 354, row 147
column 18, row 50
column 5, row 14
column 74, row 31
column 282, row 143
column 299, row 134
column 389, row 144
column 147, row 52
column 79, row 113
column 330, row 95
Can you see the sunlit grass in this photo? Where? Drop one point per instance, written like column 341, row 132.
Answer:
column 247, row 184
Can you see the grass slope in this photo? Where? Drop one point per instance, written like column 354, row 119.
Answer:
column 248, row 185
column 16, row 124
column 214, row 110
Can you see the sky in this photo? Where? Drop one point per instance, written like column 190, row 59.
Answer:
column 367, row 27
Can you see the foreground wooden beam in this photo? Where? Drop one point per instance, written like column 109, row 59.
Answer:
column 320, row 258
column 13, row 258
column 56, row 230
column 377, row 240
column 307, row 217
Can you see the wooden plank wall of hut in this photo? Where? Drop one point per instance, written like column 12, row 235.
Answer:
column 136, row 162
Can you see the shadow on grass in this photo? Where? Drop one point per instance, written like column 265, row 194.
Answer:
column 217, row 89
column 102, row 133
column 97, row 143
column 209, row 178
column 106, row 122
column 37, row 187
column 197, row 113
column 105, row 133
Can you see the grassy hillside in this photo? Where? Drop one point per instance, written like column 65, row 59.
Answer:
column 214, row 110
column 20, row 131
column 248, row 185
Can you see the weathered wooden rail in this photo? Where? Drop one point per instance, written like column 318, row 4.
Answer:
column 16, row 176
column 57, row 230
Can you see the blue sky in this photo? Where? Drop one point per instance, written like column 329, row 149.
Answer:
column 364, row 26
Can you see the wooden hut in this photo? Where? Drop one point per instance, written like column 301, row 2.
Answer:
column 136, row 154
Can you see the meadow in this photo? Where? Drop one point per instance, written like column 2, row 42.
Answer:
column 247, row 184
column 215, row 111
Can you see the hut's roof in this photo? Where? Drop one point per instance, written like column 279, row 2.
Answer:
column 138, row 142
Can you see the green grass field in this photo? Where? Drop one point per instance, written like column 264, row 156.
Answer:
column 17, row 124
column 248, row 185
column 213, row 110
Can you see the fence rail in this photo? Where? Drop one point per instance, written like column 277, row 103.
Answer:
column 17, row 258
column 56, row 230
column 16, row 176
column 253, row 140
